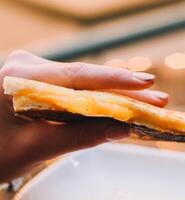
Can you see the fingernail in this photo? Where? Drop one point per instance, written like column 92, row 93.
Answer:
column 116, row 133
column 144, row 76
column 160, row 95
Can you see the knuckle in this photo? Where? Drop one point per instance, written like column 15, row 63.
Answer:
column 16, row 53
column 8, row 70
column 76, row 71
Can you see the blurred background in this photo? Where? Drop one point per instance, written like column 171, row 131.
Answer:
column 147, row 34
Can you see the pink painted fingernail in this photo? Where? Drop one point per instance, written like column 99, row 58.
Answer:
column 144, row 76
column 160, row 95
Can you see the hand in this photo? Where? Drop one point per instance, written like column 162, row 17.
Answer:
column 25, row 144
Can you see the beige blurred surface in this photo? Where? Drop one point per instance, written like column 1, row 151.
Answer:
column 23, row 26
column 89, row 9
column 31, row 28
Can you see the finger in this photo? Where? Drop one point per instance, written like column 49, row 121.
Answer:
column 43, row 141
column 75, row 75
column 153, row 97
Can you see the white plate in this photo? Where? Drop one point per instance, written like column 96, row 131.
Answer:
column 111, row 172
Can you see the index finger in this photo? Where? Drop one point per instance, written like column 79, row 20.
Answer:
column 74, row 75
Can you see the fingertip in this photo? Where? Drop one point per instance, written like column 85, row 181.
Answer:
column 159, row 103
column 141, row 80
column 162, row 95
column 117, row 132
column 125, row 79
column 146, row 77
column 157, row 98
column 140, row 85
column 138, row 80
column 163, row 99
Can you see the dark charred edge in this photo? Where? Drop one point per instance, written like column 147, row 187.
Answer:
column 50, row 115
column 142, row 131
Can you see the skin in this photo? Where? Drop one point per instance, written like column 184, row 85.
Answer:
column 25, row 144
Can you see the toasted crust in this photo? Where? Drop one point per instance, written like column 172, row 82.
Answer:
column 142, row 131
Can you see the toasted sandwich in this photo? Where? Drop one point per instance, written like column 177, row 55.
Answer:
column 40, row 100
